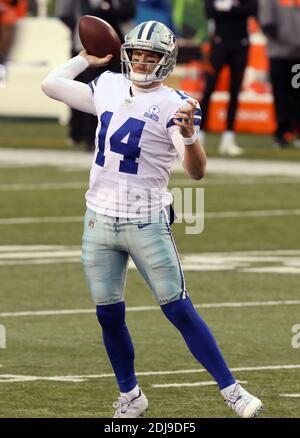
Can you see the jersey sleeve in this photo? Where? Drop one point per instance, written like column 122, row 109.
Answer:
column 60, row 85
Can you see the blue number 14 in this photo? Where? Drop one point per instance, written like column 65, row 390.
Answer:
column 130, row 150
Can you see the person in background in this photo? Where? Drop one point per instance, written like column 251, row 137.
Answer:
column 115, row 12
column 69, row 12
column 32, row 8
column 280, row 21
column 81, row 125
column 10, row 12
column 229, row 45
column 158, row 10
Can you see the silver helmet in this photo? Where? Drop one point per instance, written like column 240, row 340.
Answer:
column 153, row 36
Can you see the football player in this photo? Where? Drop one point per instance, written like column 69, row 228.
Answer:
column 143, row 126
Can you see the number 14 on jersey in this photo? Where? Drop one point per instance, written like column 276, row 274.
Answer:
column 132, row 129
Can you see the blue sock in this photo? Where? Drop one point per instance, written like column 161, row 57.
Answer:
column 118, row 343
column 199, row 339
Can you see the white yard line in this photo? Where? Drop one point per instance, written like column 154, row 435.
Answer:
column 5, row 378
column 268, row 262
column 238, row 214
column 228, row 181
column 51, row 261
column 236, row 254
column 288, row 395
column 250, row 213
column 150, row 308
column 29, row 251
column 47, row 313
column 43, row 186
column 207, row 215
column 82, row 160
column 62, row 253
column 40, row 220
column 77, row 185
column 36, row 157
column 15, row 248
column 186, row 384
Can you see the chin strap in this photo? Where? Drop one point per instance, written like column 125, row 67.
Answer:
column 143, row 78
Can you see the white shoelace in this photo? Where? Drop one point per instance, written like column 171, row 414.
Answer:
column 237, row 399
column 122, row 405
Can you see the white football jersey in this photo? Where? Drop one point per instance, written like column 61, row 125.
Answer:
column 134, row 150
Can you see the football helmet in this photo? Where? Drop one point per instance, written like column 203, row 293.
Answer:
column 153, row 36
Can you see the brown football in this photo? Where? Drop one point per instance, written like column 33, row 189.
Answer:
column 98, row 37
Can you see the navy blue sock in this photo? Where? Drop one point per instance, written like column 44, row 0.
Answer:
column 199, row 339
column 118, row 343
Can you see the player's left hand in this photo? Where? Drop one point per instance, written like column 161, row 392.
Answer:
column 186, row 113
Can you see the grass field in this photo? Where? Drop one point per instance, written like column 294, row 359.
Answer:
column 50, row 135
column 243, row 271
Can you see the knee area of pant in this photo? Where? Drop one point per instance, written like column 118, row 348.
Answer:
column 181, row 310
column 111, row 316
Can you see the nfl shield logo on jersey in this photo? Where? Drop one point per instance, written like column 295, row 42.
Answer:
column 91, row 223
column 152, row 113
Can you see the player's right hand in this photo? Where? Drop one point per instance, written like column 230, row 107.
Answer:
column 94, row 61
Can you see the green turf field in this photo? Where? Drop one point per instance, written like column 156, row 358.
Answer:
column 243, row 271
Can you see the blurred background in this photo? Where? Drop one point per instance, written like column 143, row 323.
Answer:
column 37, row 35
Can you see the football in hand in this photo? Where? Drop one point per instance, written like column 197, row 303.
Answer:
column 98, row 37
